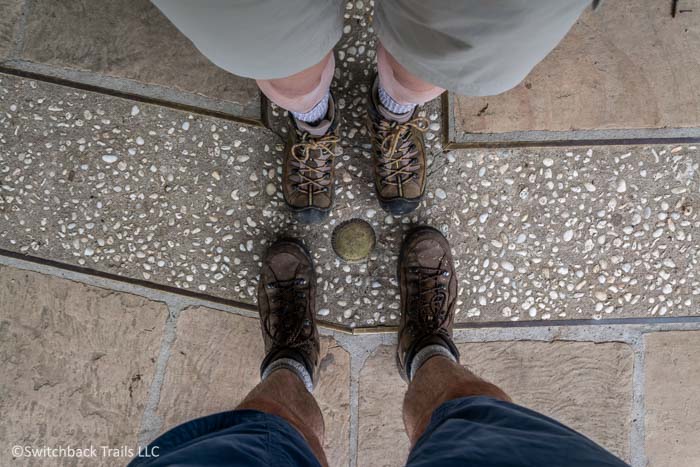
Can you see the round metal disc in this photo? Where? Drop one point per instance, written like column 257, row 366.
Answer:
column 353, row 240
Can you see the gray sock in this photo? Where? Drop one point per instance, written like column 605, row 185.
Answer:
column 292, row 365
column 426, row 353
column 392, row 106
column 316, row 114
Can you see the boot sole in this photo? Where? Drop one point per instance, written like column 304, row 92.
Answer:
column 310, row 216
column 399, row 207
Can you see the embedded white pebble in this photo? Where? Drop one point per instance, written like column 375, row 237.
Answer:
column 140, row 141
column 621, row 186
column 324, row 312
column 110, row 158
column 548, row 161
column 440, row 193
column 185, row 125
column 270, row 189
column 135, row 110
column 600, row 295
column 568, row 235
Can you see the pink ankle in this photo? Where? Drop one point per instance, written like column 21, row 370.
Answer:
column 404, row 87
column 294, row 92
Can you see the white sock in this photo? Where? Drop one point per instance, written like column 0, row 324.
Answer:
column 292, row 365
column 391, row 105
column 317, row 113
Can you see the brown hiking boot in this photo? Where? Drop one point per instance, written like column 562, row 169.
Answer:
column 399, row 156
column 428, row 295
column 308, row 176
column 287, row 306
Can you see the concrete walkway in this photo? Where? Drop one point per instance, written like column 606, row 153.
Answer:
column 139, row 190
column 91, row 361
column 191, row 202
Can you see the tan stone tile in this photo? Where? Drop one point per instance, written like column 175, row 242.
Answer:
column 129, row 39
column 672, row 400
column 584, row 385
column 609, row 72
column 333, row 396
column 215, row 361
column 382, row 441
column 77, row 362
column 9, row 23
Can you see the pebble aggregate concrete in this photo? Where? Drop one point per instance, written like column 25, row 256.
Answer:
column 193, row 202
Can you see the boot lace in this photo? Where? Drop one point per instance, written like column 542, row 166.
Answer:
column 313, row 161
column 430, row 298
column 398, row 162
column 291, row 327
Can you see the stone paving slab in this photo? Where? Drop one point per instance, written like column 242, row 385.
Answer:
column 133, row 40
column 77, row 364
column 380, row 398
column 612, row 71
column 672, row 401
column 192, row 202
column 10, row 11
column 585, row 385
column 215, row 361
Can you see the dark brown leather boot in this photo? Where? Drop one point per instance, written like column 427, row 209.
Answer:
column 428, row 289
column 308, row 177
column 399, row 156
column 287, row 306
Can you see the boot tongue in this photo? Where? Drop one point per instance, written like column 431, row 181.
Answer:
column 319, row 129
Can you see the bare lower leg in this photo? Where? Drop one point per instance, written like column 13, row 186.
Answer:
column 301, row 91
column 440, row 380
column 283, row 394
column 401, row 84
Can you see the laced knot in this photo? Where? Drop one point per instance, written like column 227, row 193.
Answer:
column 287, row 322
column 430, row 297
column 313, row 161
column 398, row 163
